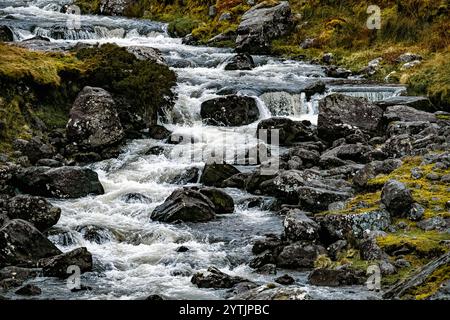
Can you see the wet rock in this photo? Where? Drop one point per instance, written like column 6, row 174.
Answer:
column 271, row 243
column 29, row 290
column 298, row 226
column 158, row 132
column 6, row 34
column 229, row 35
column 308, row 158
column 267, row 269
column 214, row 174
column 135, row 197
column 182, row 249
column 94, row 121
column 416, row 213
column 397, row 198
column 285, row 280
column 236, row 181
column 146, row 54
column 57, row 266
column 214, row 278
column 337, row 226
column 186, row 205
column 419, row 103
column 262, row 24
column 316, row 199
column 18, row 273
column 190, row 175
column 22, row 244
column 336, row 277
column 63, row 182
column 335, row 72
column 232, row 110
column 154, row 297
column 240, row 61
column 289, row 131
column 223, row 203
column 36, row 210
column 95, row 234
column 340, row 116
column 299, row 255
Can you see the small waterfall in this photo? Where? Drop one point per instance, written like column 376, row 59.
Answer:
column 371, row 93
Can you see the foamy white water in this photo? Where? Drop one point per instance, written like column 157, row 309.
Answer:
column 138, row 257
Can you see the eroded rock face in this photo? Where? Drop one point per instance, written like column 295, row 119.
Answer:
column 240, row 61
column 22, row 244
column 63, row 182
column 340, row 116
column 185, row 205
column 230, row 110
column 262, row 24
column 94, row 121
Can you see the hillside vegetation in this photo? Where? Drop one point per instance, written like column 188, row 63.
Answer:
column 336, row 26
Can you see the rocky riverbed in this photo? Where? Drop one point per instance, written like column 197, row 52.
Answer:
column 349, row 201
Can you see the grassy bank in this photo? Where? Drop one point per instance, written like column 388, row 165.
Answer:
column 339, row 27
column 38, row 89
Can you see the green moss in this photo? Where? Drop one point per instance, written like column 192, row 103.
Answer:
column 426, row 244
column 181, row 27
column 88, row 6
column 431, row 284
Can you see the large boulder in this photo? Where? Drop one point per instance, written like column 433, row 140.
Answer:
column 340, row 116
column 146, row 53
column 337, row 277
column 240, row 61
column 262, row 24
column 397, row 198
column 63, row 182
column 299, row 255
column 214, row 278
column 186, row 205
column 289, row 131
column 57, row 266
column 341, row 225
column 355, row 152
column 232, row 110
column 298, row 226
column 94, row 121
column 22, row 244
column 215, row 174
column 115, row 7
column 223, row 203
column 36, row 210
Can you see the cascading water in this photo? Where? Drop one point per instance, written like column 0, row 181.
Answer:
column 134, row 256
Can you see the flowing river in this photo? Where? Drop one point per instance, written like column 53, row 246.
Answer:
column 135, row 257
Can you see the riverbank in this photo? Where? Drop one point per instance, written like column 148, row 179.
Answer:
column 322, row 28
